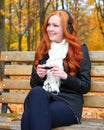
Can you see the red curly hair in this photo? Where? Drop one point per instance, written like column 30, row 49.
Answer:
column 74, row 56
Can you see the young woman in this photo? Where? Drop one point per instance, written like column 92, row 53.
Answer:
column 60, row 76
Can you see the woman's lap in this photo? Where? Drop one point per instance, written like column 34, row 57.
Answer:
column 59, row 113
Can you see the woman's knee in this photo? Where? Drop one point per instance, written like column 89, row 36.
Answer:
column 37, row 91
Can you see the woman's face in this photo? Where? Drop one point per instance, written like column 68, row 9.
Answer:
column 54, row 29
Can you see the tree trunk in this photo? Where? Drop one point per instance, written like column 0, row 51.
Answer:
column 42, row 15
column 20, row 42
column 2, row 33
column 10, row 27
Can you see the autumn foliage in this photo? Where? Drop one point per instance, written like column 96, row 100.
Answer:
column 24, row 20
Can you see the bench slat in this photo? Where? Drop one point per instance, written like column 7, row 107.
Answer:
column 18, row 70
column 96, row 56
column 16, row 84
column 94, row 101
column 90, row 101
column 15, row 98
column 97, row 70
column 26, row 70
column 24, row 84
column 29, row 56
column 17, row 56
column 97, row 86
column 86, row 124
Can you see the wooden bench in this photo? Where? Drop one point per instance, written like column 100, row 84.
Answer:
column 17, row 70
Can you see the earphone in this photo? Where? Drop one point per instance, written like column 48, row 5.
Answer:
column 70, row 27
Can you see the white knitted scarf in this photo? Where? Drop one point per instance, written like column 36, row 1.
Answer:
column 57, row 53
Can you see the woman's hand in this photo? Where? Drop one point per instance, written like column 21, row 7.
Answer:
column 41, row 71
column 59, row 72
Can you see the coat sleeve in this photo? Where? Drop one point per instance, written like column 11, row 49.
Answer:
column 35, row 80
column 81, row 83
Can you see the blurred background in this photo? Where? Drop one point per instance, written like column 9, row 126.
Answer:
column 21, row 22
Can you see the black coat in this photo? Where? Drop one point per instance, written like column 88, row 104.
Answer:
column 73, row 88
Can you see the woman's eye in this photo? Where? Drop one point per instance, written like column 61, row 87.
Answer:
column 56, row 25
column 48, row 24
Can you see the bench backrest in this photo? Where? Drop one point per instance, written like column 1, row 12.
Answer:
column 17, row 70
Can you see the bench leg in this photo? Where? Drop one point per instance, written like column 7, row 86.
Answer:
column 5, row 105
column 4, row 108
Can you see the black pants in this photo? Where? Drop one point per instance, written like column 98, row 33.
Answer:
column 43, row 113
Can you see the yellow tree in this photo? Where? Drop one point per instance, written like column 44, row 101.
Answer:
column 96, row 28
column 96, row 39
column 20, row 21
